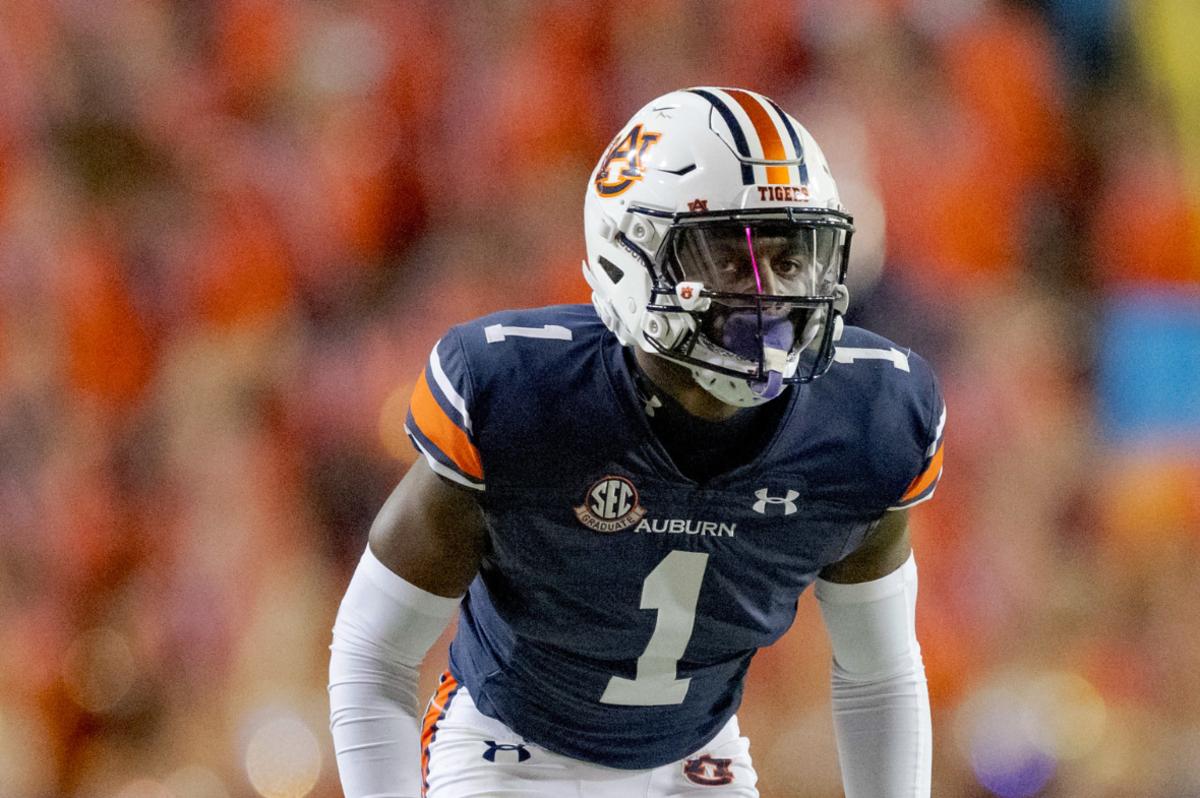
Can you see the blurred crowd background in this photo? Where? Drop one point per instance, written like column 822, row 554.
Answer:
column 230, row 231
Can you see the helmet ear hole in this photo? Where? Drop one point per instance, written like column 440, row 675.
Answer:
column 614, row 272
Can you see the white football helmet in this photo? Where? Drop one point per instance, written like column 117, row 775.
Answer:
column 716, row 239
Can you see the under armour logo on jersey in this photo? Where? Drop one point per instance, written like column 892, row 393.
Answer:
column 650, row 404
column 788, row 501
column 494, row 748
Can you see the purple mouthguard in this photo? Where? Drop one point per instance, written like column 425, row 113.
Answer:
column 739, row 336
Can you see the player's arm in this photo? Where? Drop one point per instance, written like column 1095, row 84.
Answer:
column 880, row 699
column 424, row 550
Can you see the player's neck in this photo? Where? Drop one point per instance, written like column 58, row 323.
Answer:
column 677, row 382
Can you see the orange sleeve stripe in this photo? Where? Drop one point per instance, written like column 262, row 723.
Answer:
column 768, row 134
column 444, row 433
column 927, row 477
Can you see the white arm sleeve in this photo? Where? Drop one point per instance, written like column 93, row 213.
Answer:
column 384, row 627
column 880, row 699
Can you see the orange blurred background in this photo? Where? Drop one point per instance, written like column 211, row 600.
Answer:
column 231, row 230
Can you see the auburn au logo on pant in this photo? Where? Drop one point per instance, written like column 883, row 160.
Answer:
column 610, row 505
column 708, row 771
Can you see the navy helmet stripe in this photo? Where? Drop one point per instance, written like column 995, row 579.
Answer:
column 739, row 135
column 787, row 123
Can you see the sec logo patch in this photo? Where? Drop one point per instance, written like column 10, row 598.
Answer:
column 610, row 505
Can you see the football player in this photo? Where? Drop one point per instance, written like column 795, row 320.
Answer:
column 622, row 502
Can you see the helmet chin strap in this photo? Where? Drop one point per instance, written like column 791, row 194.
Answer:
column 730, row 390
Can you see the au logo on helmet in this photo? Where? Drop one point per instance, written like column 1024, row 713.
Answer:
column 627, row 154
column 610, row 505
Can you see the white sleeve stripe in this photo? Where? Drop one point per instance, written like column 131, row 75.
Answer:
column 937, row 436
column 439, row 468
column 913, row 503
column 443, row 382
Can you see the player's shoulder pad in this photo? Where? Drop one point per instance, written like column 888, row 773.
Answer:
column 490, row 377
column 531, row 339
column 900, row 408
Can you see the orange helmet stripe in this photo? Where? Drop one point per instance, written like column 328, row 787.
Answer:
column 444, row 433
column 768, row 134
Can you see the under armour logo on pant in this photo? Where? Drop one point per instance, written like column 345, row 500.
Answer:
column 494, row 748
column 788, row 501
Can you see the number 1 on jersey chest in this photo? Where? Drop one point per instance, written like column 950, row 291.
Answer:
column 672, row 588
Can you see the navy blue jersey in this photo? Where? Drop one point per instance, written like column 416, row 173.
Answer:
column 619, row 602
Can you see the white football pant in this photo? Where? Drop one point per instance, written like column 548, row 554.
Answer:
column 466, row 754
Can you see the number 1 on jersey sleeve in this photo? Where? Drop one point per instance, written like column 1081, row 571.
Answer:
column 497, row 333
column 672, row 588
